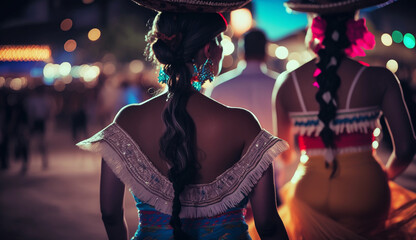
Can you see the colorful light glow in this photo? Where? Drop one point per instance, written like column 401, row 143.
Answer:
column 94, row 34
column 70, row 45
column 227, row 45
column 292, row 65
column 2, row 81
column 16, row 84
column 91, row 73
column 375, row 144
column 376, row 132
column 397, row 36
column 24, row 53
column 241, row 21
column 66, row 24
column 136, row 66
column 51, row 71
column 392, row 65
column 386, row 39
column 409, row 40
column 64, row 68
column 281, row 52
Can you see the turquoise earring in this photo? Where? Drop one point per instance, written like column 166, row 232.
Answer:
column 163, row 77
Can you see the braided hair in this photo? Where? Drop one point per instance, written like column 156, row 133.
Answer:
column 330, row 58
column 174, row 41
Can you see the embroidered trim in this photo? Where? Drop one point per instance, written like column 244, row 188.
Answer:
column 138, row 173
column 361, row 120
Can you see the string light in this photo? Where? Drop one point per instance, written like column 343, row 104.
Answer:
column 94, row 34
column 24, row 53
column 386, row 39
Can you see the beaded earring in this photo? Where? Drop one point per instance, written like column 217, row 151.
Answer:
column 205, row 73
column 163, row 77
column 195, row 81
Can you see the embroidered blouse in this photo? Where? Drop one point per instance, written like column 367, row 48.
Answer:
column 353, row 127
column 137, row 172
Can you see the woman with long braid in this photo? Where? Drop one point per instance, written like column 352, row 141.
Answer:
column 332, row 104
column 191, row 163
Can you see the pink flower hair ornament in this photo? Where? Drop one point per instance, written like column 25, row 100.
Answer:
column 357, row 33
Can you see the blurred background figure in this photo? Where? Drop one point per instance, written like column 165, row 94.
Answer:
column 250, row 85
column 5, row 117
column 39, row 107
column 20, row 130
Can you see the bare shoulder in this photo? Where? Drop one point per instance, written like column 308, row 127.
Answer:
column 137, row 110
column 381, row 76
column 125, row 114
column 244, row 123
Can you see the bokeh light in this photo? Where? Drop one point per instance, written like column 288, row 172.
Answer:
column 304, row 158
column 26, row 53
column 109, row 68
column 409, row 40
column 70, row 45
column 227, row 45
column 2, row 81
column 375, row 144
column 136, row 66
column 295, row 56
column 16, row 84
column 66, row 24
column 64, row 68
column 94, row 34
column 228, row 61
column 241, row 21
column 386, row 39
column 87, row 1
column 397, row 36
column 281, row 52
column 91, row 73
column 376, row 132
column 271, row 49
column 292, row 65
column 50, row 71
column 392, row 65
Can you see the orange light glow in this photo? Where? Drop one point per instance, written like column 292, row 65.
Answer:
column 66, row 24
column 26, row 53
column 70, row 45
column 94, row 34
column 241, row 21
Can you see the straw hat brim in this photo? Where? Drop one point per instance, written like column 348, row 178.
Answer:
column 335, row 7
column 192, row 5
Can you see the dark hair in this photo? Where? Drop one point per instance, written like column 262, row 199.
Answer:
column 255, row 45
column 173, row 41
column 330, row 58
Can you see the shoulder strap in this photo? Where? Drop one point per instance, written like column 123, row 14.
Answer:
column 354, row 82
column 295, row 82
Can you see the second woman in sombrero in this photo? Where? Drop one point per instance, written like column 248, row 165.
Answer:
column 332, row 105
column 191, row 163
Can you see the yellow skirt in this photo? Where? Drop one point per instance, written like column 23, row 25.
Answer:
column 357, row 203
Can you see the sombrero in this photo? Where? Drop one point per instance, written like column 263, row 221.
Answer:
column 331, row 6
column 192, row 5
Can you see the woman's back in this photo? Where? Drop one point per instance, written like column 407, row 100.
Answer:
column 222, row 134
column 367, row 91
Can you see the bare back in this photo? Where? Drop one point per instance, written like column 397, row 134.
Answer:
column 367, row 92
column 223, row 134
